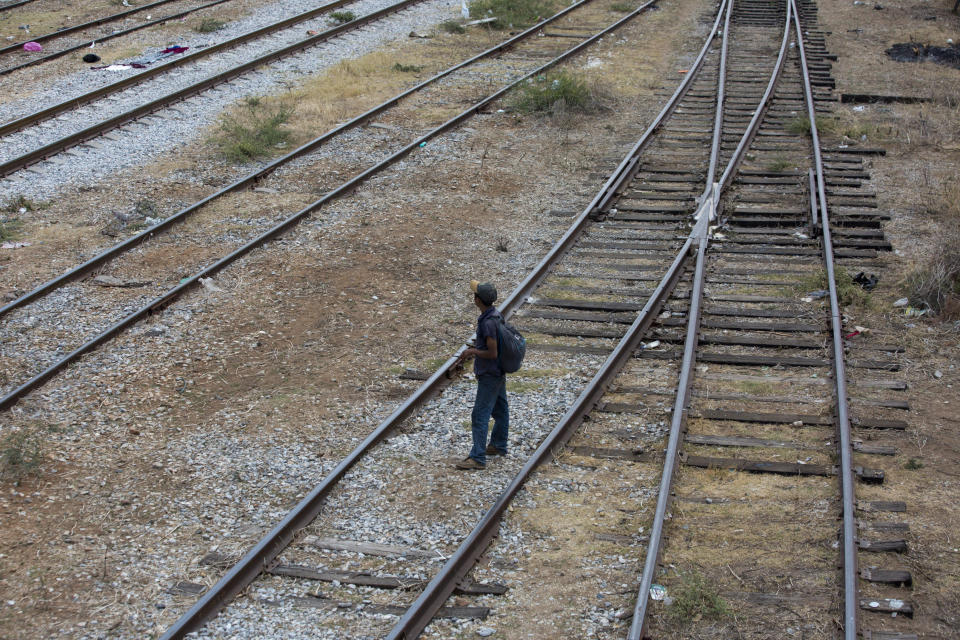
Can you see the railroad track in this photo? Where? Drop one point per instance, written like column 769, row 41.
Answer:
column 65, row 48
column 41, row 342
column 639, row 244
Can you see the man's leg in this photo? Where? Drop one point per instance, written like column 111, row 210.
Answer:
column 482, row 407
column 501, row 417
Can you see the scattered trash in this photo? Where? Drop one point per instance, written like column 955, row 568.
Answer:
column 878, row 7
column 658, row 592
column 902, row 302
column 651, row 345
column 860, row 108
column 464, row 10
column 938, row 374
column 32, row 46
column 867, row 283
column 819, row 293
column 683, row 70
column 144, row 62
column 913, row 312
column 801, row 235
column 311, row 32
column 798, row 423
column 14, row 245
column 91, row 58
column 207, row 284
column 419, row 34
column 423, row 144
column 484, row 632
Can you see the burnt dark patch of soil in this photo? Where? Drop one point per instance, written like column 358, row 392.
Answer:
column 916, row 52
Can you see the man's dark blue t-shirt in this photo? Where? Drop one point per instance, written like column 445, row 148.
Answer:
column 487, row 325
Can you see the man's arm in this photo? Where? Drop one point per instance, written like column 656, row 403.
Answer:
column 490, row 353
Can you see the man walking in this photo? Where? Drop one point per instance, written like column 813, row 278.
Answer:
column 491, row 382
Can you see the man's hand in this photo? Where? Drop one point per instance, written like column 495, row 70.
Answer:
column 469, row 353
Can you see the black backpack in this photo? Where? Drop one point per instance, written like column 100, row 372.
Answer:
column 511, row 347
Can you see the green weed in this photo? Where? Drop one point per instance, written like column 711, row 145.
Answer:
column 253, row 130
column 343, row 17
column 209, row 25
column 10, row 229
column 452, row 26
column 20, row 455
column 913, row 464
column 695, row 597
column 407, row 68
column 513, row 14
column 779, row 165
column 849, row 293
column 622, row 7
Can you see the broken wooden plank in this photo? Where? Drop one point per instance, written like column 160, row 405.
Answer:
column 184, row 588
column 896, row 506
column 896, row 546
column 759, row 466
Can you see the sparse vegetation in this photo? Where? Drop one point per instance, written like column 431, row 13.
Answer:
column 936, row 285
column 513, row 14
column 695, row 597
column 9, row 229
column 209, row 25
column 20, row 455
column 555, row 93
column 622, row 7
column 20, row 204
column 778, row 165
column 343, row 17
column 452, row 26
column 849, row 292
column 913, row 464
column 503, row 244
column 253, row 130
column 407, row 68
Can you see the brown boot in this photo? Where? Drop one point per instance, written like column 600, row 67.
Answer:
column 469, row 464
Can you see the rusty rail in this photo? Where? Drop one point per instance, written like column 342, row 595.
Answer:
column 850, row 611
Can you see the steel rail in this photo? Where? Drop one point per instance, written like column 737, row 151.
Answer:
column 266, row 550
column 96, row 94
column 249, row 179
column 110, row 36
column 850, row 604
column 42, row 153
column 681, row 402
column 86, row 25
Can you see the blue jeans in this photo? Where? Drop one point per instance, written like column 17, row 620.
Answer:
column 491, row 400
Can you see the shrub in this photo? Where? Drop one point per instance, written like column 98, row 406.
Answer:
column 452, row 26
column 407, row 68
column 913, row 464
column 14, row 205
column 209, row 25
column 695, row 597
column 513, row 14
column 936, row 285
column 343, row 17
column 252, row 130
column 19, row 455
column 555, row 92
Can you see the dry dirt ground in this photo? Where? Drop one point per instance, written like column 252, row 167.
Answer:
column 305, row 340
